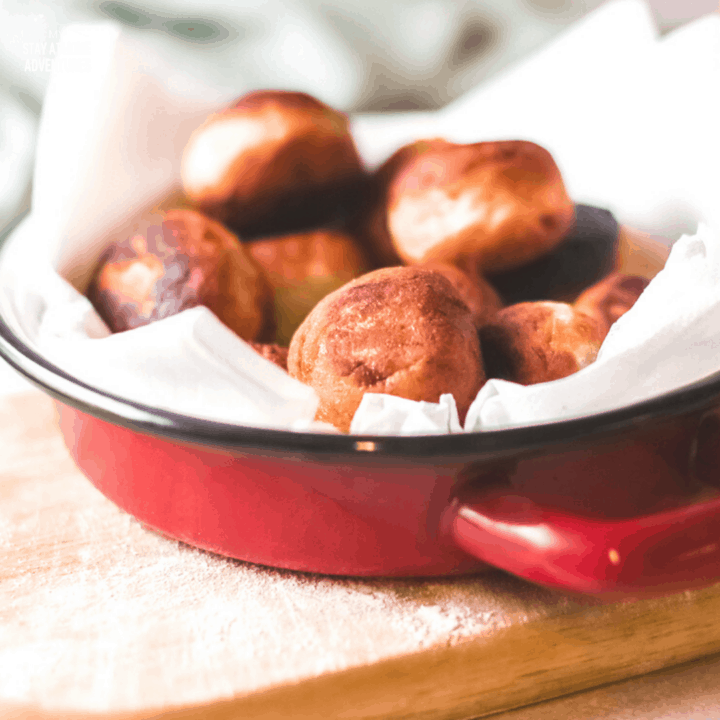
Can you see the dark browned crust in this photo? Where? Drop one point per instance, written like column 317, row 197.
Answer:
column 401, row 331
column 192, row 260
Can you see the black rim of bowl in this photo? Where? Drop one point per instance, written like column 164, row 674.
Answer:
column 177, row 427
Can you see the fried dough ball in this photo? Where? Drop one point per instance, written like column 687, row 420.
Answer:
column 489, row 205
column 302, row 269
column 403, row 331
column 611, row 298
column 537, row 342
column 185, row 261
column 476, row 292
column 274, row 157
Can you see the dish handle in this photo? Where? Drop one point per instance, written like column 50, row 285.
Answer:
column 667, row 551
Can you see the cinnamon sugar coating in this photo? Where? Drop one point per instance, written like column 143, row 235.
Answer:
column 187, row 260
column 403, row 331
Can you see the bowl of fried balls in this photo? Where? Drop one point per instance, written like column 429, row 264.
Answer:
column 449, row 265
column 356, row 283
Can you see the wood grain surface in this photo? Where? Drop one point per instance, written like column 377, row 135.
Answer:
column 100, row 618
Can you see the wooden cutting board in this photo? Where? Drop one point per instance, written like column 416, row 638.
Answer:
column 101, row 618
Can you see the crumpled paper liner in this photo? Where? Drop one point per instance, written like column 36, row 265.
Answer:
column 630, row 119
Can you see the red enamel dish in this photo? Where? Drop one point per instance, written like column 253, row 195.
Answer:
column 622, row 503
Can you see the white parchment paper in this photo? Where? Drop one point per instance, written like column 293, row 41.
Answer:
column 631, row 120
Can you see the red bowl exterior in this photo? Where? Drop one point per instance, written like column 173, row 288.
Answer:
column 366, row 517
column 368, row 514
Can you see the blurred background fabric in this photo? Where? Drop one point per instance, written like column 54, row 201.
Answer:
column 357, row 55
